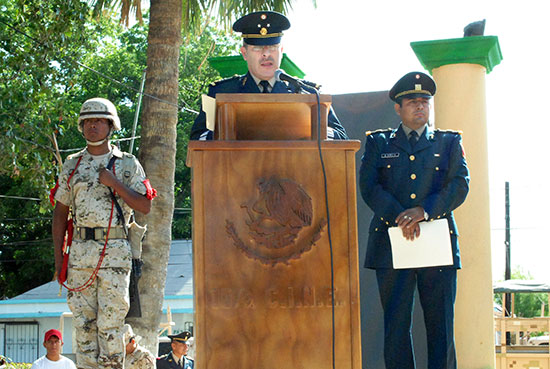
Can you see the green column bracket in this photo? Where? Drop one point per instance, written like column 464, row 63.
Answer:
column 482, row 50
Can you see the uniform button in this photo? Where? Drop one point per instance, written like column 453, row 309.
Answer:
column 436, row 168
column 413, row 176
column 389, row 166
column 439, row 217
column 412, row 157
column 381, row 218
column 387, row 223
column 413, row 196
column 451, row 232
column 376, row 229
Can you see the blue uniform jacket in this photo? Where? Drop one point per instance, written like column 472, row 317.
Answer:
column 246, row 84
column 167, row 362
column 394, row 177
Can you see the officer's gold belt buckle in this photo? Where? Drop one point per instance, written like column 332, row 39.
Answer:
column 99, row 233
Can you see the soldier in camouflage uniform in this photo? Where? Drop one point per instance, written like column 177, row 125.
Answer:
column 83, row 190
column 137, row 357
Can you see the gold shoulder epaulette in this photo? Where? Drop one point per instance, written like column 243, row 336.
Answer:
column 224, row 80
column 448, row 131
column 368, row 133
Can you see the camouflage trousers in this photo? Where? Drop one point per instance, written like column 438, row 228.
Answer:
column 98, row 316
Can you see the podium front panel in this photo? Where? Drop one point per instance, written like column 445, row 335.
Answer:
column 262, row 259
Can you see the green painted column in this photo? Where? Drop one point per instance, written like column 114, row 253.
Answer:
column 459, row 67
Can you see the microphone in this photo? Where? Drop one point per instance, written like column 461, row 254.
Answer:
column 280, row 75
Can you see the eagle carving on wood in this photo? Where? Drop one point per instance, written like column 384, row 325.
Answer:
column 281, row 211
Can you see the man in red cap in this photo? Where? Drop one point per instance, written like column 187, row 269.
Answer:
column 53, row 341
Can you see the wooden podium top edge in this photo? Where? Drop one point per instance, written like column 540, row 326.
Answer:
column 274, row 98
column 273, row 145
column 225, row 145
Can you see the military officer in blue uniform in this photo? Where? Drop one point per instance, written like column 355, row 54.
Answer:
column 262, row 51
column 177, row 358
column 410, row 175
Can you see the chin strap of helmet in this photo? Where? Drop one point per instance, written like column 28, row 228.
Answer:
column 100, row 142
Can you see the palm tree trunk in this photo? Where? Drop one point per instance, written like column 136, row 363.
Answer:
column 157, row 155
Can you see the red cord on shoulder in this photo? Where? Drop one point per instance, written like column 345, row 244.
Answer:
column 151, row 192
column 52, row 193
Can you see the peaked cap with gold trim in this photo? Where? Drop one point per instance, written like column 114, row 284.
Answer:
column 181, row 337
column 412, row 85
column 262, row 28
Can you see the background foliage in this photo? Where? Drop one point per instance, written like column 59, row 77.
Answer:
column 527, row 305
column 55, row 55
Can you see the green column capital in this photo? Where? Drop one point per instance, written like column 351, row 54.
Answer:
column 482, row 50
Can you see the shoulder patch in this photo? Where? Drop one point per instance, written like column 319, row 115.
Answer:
column 75, row 155
column 382, row 130
column 224, row 80
column 448, row 131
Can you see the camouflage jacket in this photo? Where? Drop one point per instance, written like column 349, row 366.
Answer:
column 90, row 203
column 141, row 358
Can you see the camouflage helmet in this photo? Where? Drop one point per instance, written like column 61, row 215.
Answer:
column 99, row 107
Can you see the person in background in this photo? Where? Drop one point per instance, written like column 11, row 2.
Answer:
column 177, row 358
column 53, row 341
column 137, row 357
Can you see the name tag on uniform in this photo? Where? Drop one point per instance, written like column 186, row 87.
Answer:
column 389, row 155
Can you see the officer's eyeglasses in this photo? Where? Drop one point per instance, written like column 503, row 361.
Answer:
column 261, row 48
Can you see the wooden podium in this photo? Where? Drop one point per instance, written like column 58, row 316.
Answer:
column 262, row 259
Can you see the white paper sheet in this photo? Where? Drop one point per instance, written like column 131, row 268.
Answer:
column 432, row 248
column 209, row 107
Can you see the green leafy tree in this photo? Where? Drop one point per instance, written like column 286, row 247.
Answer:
column 27, row 258
column 526, row 305
column 40, row 43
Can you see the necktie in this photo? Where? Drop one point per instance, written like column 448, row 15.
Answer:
column 265, row 86
column 413, row 137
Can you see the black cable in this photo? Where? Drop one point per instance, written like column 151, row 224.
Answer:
column 328, row 225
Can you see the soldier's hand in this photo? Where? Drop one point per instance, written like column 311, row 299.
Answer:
column 107, row 177
column 57, row 272
column 408, row 222
column 411, row 232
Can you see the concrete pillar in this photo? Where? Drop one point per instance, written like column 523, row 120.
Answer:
column 459, row 67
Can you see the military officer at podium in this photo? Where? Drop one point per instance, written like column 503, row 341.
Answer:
column 410, row 175
column 177, row 358
column 263, row 52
